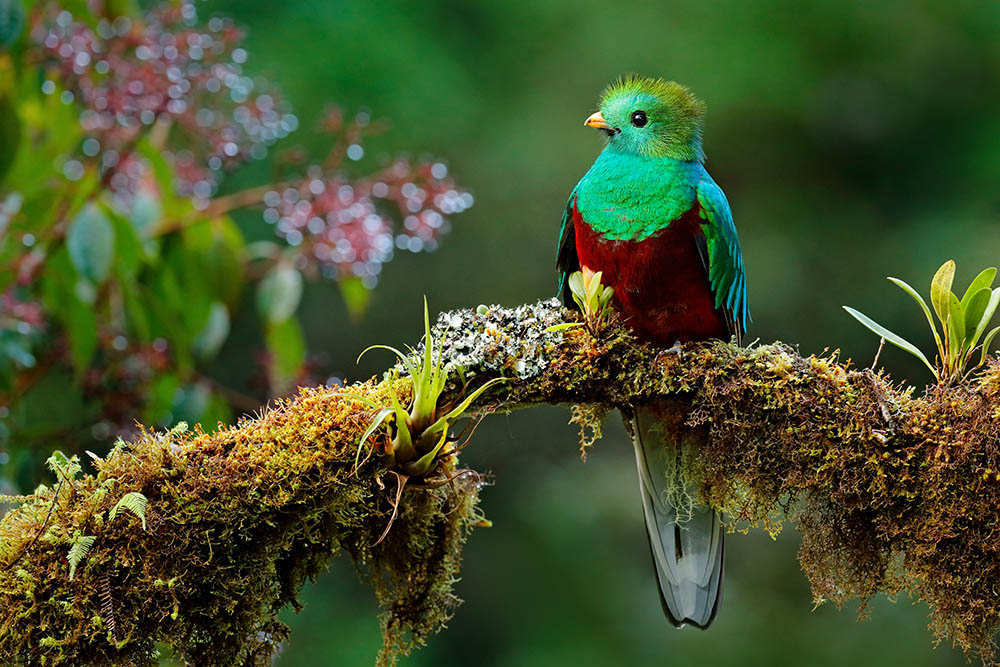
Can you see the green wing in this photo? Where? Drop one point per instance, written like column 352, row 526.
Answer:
column 567, row 260
column 724, row 257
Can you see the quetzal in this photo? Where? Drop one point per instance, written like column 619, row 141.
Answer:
column 651, row 219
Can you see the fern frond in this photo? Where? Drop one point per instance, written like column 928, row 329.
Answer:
column 135, row 503
column 81, row 547
column 107, row 607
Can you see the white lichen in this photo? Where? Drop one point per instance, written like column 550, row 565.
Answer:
column 513, row 342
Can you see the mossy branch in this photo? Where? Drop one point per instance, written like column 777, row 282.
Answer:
column 891, row 491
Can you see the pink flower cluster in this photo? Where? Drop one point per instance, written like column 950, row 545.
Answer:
column 348, row 228
column 167, row 71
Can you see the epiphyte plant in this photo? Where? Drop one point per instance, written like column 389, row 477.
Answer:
column 419, row 436
column 963, row 322
column 593, row 298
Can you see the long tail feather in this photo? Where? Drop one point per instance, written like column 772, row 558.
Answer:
column 687, row 550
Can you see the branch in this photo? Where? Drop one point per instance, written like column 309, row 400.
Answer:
column 892, row 492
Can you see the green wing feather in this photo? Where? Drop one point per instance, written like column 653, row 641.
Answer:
column 725, row 259
column 567, row 260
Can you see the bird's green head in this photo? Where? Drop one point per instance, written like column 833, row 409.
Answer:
column 651, row 117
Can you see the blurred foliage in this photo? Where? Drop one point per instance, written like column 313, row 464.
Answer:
column 121, row 269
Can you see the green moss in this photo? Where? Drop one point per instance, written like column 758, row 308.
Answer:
column 891, row 492
column 237, row 521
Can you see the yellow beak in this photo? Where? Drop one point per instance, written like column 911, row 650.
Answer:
column 596, row 120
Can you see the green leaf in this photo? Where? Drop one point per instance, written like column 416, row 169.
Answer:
column 67, row 467
column 129, row 252
column 279, row 293
column 974, row 309
column 161, row 400
column 986, row 343
column 78, row 551
column 135, row 312
column 564, row 326
column 226, row 258
column 190, row 401
column 10, row 129
column 456, row 412
column 287, row 347
column 903, row 285
column 956, row 325
column 356, row 296
column 11, row 21
column 216, row 330
column 410, row 368
column 896, row 340
column 991, row 308
column 983, row 280
column 146, row 213
column 135, row 503
column 380, row 417
column 81, row 325
column 576, row 288
column 941, row 288
column 163, row 174
column 90, row 240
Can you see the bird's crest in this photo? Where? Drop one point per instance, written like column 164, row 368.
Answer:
column 678, row 116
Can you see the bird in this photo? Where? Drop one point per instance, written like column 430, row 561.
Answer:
column 648, row 216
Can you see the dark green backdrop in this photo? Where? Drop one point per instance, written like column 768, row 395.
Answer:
column 855, row 140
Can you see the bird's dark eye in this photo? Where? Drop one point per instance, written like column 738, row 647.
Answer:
column 639, row 118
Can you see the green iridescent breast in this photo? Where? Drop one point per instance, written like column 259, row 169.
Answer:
column 631, row 197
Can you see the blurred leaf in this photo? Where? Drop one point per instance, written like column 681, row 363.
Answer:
column 941, row 288
column 216, row 330
column 279, row 293
column 58, row 282
column 129, row 252
column 167, row 304
column 81, row 325
column 60, row 297
column 217, row 414
column 287, row 347
column 90, row 240
column 163, row 173
column 10, row 133
column 226, row 257
column 161, row 400
column 190, row 402
column 356, row 296
column 146, row 212
column 16, row 348
column 135, row 312
column 11, row 21
column 896, row 340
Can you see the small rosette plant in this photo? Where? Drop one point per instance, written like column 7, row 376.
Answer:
column 963, row 322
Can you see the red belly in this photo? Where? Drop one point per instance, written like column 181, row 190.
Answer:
column 661, row 287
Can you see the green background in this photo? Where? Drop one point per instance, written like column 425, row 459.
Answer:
column 854, row 140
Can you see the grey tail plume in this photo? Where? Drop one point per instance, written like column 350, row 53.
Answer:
column 687, row 542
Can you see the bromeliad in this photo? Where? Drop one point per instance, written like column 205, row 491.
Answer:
column 649, row 218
